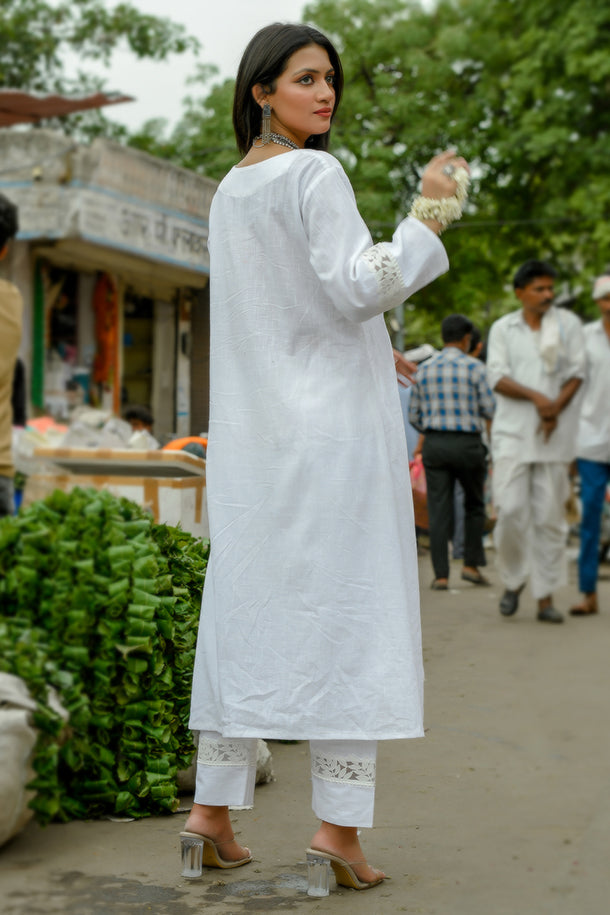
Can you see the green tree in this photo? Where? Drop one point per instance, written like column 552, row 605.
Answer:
column 536, row 121
column 35, row 34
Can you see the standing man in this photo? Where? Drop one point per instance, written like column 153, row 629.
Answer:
column 449, row 404
column 11, row 311
column 535, row 366
column 593, row 447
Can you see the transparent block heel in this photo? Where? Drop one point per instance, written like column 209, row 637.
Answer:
column 192, row 856
column 318, row 875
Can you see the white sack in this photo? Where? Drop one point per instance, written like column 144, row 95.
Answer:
column 17, row 740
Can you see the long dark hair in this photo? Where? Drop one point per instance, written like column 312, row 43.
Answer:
column 266, row 58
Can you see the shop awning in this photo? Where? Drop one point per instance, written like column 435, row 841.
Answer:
column 18, row 107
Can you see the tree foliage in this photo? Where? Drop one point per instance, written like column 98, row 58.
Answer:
column 36, row 34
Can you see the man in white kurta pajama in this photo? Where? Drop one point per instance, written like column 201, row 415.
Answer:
column 310, row 622
column 535, row 363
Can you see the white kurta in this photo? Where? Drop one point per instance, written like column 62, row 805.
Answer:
column 593, row 439
column 514, row 350
column 310, row 618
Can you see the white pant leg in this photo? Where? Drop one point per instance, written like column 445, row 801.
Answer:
column 511, row 484
column 226, row 770
column 550, row 529
column 343, row 781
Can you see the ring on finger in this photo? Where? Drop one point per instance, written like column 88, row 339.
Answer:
column 448, row 170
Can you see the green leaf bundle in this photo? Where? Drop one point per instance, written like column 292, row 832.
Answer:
column 102, row 604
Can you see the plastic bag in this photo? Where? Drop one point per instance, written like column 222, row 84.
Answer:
column 420, row 492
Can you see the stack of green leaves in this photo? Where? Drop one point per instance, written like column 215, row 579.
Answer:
column 101, row 604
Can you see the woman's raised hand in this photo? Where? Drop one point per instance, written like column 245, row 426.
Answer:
column 437, row 181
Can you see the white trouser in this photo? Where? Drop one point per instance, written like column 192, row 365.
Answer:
column 531, row 530
column 342, row 774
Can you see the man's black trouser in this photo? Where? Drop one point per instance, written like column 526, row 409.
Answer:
column 451, row 456
column 6, row 496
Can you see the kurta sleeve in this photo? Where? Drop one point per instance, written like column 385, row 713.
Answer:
column 498, row 362
column 487, row 402
column 576, row 363
column 363, row 279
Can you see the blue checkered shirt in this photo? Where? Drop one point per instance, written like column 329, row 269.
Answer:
column 451, row 394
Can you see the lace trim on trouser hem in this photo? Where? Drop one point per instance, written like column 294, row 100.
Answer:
column 386, row 269
column 225, row 752
column 356, row 772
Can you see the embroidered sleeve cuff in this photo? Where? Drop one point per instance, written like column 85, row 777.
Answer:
column 387, row 272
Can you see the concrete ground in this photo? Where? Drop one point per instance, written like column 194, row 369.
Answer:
column 504, row 808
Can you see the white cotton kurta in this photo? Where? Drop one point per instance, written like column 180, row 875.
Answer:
column 310, row 622
column 593, row 439
column 514, row 351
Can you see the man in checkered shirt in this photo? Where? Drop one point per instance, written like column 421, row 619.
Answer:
column 450, row 404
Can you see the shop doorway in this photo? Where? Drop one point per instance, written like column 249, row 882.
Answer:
column 149, row 360
column 66, row 379
column 138, row 336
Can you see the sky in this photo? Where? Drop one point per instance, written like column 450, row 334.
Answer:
column 223, row 28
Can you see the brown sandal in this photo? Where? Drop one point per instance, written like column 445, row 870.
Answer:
column 583, row 610
column 475, row 578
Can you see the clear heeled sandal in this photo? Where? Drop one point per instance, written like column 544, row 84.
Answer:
column 319, row 864
column 200, row 851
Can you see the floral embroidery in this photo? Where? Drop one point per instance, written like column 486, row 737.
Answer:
column 388, row 274
column 355, row 771
column 238, row 752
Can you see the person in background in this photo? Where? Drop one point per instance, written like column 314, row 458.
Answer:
column 450, row 404
column 140, row 418
column 535, row 365
column 476, row 343
column 311, row 521
column 19, row 396
column 457, row 538
column 593, row 447
column 11, row 317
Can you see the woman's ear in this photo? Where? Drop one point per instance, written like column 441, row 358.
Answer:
column 259, row 94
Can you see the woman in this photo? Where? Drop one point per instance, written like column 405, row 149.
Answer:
column 310, row 617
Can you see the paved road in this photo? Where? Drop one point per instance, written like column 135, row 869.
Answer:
column 504, row 808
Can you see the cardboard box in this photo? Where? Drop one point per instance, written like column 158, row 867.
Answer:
column 171, row 485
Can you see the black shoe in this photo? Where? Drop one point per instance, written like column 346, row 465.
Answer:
column 550, row 615
column 509, row 602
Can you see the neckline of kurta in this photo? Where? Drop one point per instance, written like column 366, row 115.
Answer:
column 262, row 162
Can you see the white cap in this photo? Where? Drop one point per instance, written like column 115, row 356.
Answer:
column 423, row 352
column 601, row 287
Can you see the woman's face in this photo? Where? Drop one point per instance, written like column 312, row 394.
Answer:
column 304, row 97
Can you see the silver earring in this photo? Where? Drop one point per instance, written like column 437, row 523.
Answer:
column 266, row 125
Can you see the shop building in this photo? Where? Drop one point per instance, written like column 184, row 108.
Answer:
column 112, row 262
